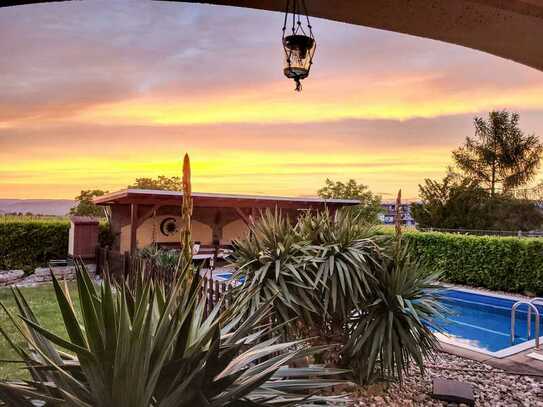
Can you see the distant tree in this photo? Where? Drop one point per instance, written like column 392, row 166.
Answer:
column 499, row 154
column 457, row 202
column 161, row 182
column 85, row 206
column 510, row 213
column 370, row 204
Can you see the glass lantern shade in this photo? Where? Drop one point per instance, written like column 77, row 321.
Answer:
column 299, row 50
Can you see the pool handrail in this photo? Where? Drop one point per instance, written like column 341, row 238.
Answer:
column 532, row 301
column 513, row 312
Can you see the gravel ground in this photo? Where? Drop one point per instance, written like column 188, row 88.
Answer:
column 492, row 387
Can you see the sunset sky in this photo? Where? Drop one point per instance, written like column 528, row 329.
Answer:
column 96, row 93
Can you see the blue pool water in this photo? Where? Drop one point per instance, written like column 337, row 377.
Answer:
column 484, row 321
column 223, row 276
column 478, row 320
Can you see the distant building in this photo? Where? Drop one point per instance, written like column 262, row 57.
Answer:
column 387, row 217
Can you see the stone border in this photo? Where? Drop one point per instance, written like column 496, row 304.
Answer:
column 40, row 276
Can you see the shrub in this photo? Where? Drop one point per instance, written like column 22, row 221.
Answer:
column 497, row 263
column 105, row 236
column 30, row 243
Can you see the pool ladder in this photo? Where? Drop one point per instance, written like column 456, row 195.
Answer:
column 531, row 306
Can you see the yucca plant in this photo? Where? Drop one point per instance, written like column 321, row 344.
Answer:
column 269, row 262
column 361, row 291
column 393, row 326
column 343, row 252
column 140, row 347
column 319, row 270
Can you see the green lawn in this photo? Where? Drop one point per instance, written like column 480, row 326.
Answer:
column 43, row 302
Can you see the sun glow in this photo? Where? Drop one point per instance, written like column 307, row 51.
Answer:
column 270, row 172
column 317, row 106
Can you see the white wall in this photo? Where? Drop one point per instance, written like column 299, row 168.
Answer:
column 234, row 230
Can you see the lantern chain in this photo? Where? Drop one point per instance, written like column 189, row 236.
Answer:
column 292, row 6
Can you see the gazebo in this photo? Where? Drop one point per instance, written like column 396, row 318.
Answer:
column 141, row 217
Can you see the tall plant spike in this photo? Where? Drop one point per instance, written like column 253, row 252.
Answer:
column 186, row 213
column 398, row 215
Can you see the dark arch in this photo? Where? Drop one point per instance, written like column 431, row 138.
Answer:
column 511, row 29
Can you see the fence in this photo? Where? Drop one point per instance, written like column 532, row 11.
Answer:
column 504, row 233
column 121, row 266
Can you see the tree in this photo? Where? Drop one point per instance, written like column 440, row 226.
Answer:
column 161, row 182
column 500, row 154
column 461, row 203
column 455, row 202
column 370, row 204
column 85, row 206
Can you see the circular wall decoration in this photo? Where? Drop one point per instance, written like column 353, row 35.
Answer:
column 168, row 226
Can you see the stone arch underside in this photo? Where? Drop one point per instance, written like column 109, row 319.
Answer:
column 510, row 29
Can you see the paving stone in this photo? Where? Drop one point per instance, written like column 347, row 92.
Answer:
column 43, row 275
column 452, row 391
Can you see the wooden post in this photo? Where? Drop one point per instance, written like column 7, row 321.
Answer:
column 98, row 260
column 127, row 263
column 246, row 219
column 133, row 228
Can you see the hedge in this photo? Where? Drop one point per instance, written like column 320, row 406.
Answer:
column 28, row 244
column 497, row 263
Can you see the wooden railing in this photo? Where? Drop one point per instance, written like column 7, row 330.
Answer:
column 123, row 266
column 112, row 262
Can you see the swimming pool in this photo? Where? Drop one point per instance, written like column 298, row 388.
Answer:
column 478, row 321
column 482, row 323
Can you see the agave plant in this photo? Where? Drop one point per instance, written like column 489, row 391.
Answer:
column 393, row 326
column 139, row 346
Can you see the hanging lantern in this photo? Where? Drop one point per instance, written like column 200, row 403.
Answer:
column 299, row 45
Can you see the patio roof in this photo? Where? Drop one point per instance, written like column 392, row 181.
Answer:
column 215, row 200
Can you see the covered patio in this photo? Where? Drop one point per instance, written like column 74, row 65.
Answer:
column 142, row 217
